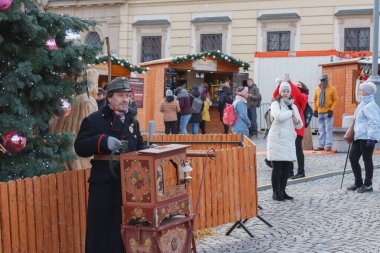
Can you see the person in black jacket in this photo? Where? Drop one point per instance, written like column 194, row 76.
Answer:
column 196, row 117
column 99, row 134
column 225, row 97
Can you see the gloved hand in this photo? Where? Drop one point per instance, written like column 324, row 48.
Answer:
column 370, row 143
column 112, row 143
column 315, row 114
column 330, row 114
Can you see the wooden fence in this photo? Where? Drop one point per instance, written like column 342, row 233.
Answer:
column 48, row 213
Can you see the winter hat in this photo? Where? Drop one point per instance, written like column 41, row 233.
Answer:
column 368, row 87
column 169, row 93
column 285, row 86
column 242, row 91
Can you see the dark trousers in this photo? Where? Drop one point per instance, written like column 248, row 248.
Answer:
column 252, row 115
column 178, row 121
column 171, row 127
column 358, row 149
column 300, row 157
column 280, row 175
column 202, row 125
column 226, row 127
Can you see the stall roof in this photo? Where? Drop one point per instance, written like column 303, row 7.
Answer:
column 121, row 62
column 349, row 61
column 331, row 52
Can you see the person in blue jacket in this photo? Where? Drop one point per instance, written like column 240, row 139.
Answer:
column 366, row 135
column 240, row 107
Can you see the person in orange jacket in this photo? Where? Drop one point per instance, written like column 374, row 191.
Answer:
column 300, row 100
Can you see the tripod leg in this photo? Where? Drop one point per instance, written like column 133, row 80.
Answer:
column 263, row 220
column 246, row 229
column 232, row 228
column 244, row 221
column 260, row 208
column 345, row 165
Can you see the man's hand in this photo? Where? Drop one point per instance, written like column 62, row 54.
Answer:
column 370, row 143
column 315, row 114
column 112, row 143
column 330, row 114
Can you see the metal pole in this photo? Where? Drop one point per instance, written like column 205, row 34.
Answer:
column 109, row 59
column 375, row 51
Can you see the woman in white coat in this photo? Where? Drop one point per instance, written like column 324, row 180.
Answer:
column 281, row 150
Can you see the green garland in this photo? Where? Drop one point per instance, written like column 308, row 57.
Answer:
column 121, row 62
column 212, row 54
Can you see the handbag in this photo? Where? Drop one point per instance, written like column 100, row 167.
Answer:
column 349, row 135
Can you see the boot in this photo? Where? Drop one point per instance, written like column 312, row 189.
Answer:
column 286, row 196
column 278, row 195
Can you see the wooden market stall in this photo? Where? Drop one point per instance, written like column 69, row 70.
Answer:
column 346, row 77
column 212, row 67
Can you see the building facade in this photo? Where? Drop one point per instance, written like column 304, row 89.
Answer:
column 143, row 30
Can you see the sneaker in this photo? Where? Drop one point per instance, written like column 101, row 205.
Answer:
column 298, row 176
column 328, row 148
column 353, row 188
column 319, row 149
column 365, row 189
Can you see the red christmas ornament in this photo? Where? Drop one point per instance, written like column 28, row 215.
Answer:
column 14, row 141
column 4, row 4
column 50, row 43
column 64, row 109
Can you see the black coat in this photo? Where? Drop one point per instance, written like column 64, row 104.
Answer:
column 104, row 201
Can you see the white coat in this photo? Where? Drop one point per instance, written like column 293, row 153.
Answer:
column 282, row 135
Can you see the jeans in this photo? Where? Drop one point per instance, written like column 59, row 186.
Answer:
column 194, row 128
column 183, row 122
column 358, row 149
column 325, row 130
column 252, row 115
column 171, row 127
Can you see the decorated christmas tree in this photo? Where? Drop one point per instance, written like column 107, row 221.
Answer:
column 38, row 72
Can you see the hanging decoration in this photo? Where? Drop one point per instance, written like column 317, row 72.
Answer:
column 51, row 44
column 5, row 4
column 121, row 62
column 14, row 141
column 64, row 109
column 215, row 54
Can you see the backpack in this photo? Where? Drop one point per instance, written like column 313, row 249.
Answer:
column 229, row 116
column 196, row 107
column 308, row 114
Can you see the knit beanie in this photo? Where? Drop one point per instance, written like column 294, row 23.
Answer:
column 368, row 87
column 169, row 92
column 285, row 86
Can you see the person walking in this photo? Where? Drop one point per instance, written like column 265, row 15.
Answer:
column 240, row 107
column 281, row 150
column 225, row 97
column 300, row 96
column 253, row 102
column 196, row 106
column 205, row 112
column 184, row 104
column 325, row 102
column 170, row 107
column 366, row 135
column 99, row 134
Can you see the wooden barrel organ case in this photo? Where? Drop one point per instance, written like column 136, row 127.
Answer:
column 156, row 208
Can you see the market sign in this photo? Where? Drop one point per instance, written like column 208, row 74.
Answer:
column 205, row 65
column 137, row 86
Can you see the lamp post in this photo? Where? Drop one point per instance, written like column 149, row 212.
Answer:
column 375, row 52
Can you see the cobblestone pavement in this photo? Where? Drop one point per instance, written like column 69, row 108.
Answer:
column 322, row 218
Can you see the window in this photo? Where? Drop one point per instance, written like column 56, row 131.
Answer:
column 211, row 42
column 150, row 48
column 278, row 41
column 357, row 39
column 92, row 38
